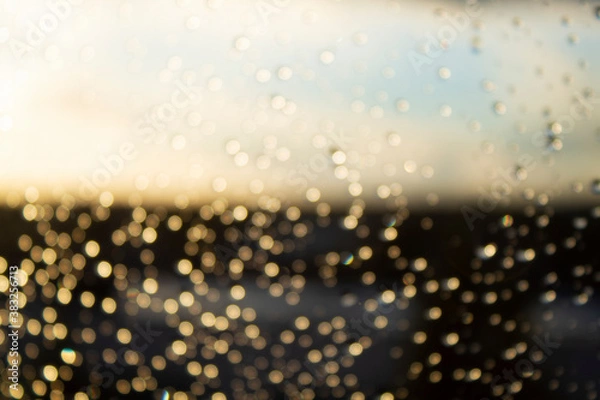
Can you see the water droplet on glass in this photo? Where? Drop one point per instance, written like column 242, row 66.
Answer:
column 573, row 38
column 338, row 157
column 242, row 43
column 402, row 105
column 219, row 184
column 488, row 86
column 394, row 139
column 554, row 143
column 520, row 173
column 444, row 73
column 327, row 57
column 596, row 186
column 278, row 102
column 555, row 127
column 445, row 111
column 285, row 73
column 499, row 108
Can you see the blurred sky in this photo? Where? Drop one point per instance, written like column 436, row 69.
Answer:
column 282, row 85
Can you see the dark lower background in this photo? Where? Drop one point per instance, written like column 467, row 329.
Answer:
column 563, row 270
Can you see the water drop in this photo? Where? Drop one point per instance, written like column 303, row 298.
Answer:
column 242, row 43
column 327, row 57
column 445, row 73
column 573, row 38
column 402, row 105
column 394, row 139
column 555, row 127
column 554, row 143
column 520, row 173
column 500, row 108
column 445, row 111
column 596, row 186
